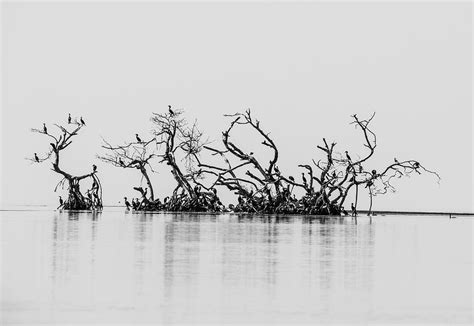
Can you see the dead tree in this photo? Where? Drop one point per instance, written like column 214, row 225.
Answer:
column 261, row 188
column 60, row 141
column 134, row 155
column 326, row 183
column 179, row 147
column 342, row 172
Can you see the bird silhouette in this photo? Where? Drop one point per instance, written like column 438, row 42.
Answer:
column 395, row 160
column 82, row 121
column 291, row 178
column 170, row 111
column 127, row 203
column 348, row 157
column 45, row 130
column 94, row 167
column 374, row 172
column 138, row 138
column 121, row 162
column 69, row 118
column 36, row 158
column 334, row 175
column 61, row 201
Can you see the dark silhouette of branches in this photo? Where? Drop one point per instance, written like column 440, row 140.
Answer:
column 133, row 155
column 61, row 140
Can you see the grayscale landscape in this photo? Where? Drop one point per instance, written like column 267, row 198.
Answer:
column 236, row 163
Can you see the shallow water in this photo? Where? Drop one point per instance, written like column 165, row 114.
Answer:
column 117, row 267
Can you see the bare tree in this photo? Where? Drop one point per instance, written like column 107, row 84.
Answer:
column 60, row 141
column 263, row 188
column 340, row 172
column 134, row 155
column 180, row 146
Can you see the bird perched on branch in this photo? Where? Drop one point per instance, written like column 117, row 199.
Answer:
column 36, row 158
column 138, row 138
column 347, row 156
column 69, row 119
column 61, row 201
column 170, row 111
column 291, row 178
column 121, row 162
column 82, row 122
column 395, row 160
column 45, row 130
column 127, row 203
column 277, row 170
column 94, row 167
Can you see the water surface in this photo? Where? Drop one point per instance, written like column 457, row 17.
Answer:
column 117, row 267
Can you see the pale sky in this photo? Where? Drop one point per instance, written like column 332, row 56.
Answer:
column 302, row 68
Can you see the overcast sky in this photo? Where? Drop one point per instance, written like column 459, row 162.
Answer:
column 303, row 69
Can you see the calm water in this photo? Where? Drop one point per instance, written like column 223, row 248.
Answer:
column 118, row 267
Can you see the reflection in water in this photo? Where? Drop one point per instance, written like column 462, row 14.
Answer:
column 183, row 268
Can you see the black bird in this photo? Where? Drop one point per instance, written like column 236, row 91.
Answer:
column 61, row 201
column 348, row 157
column 138, row 138
column 121, row 162
column 45, row 130
column 94, row 168
column 334, row 174
column 69, row 118
column 251, row 153
column 170, row 111
column 374, row 172
column 353, row 210
column 37, row 158
column 291, row 178
column 82, row 121
column 127, row 203
column 277, row 170
column 395, row 160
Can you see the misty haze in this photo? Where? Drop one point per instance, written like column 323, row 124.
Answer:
column 244, row 163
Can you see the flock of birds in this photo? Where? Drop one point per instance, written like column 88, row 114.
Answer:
column 82, row 123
